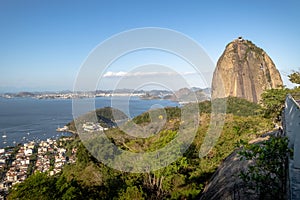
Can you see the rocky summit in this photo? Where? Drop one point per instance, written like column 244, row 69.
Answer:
column 244, row 70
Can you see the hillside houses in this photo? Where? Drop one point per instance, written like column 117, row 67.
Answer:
column 46, row 156
column 18, row 170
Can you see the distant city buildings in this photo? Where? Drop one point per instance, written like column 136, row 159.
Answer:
column 72, row 95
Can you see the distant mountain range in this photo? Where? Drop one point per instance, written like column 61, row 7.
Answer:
column 182, row 95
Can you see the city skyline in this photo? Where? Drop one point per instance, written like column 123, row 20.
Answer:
column 44, row 43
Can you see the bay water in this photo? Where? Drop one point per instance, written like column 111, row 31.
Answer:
column 27, row 119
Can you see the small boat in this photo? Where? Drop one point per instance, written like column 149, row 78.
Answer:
column 4, row 135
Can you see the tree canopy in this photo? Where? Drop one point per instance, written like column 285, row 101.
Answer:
column 295, row 77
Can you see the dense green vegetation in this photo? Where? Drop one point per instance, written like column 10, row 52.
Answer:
column 273, row 101
column 104, row 116
column 183, row 179
column 267, row 173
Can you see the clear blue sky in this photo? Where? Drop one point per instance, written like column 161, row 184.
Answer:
column 44, row 43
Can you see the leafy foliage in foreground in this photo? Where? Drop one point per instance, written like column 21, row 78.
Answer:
column 183, row 179
column 42, row 186
column 267, row 173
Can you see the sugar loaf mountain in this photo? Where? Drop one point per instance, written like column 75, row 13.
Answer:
column 244, row 70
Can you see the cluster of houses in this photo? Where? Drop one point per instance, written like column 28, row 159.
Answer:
column 91, row 127
column 4, row 156
column 50, row 150
column 19, row 166
column 46, row 156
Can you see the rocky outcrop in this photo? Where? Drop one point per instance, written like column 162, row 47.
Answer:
column 244, row 70
column 226, row 182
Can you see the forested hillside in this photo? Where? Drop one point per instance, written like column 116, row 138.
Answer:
column 184, row 179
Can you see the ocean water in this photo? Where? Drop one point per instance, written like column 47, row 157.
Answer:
column 27, row 119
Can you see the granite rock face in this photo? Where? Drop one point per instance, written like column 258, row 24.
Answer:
column 244, row 70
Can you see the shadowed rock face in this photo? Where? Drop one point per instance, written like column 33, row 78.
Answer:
column 244, row 70
column 226, row 182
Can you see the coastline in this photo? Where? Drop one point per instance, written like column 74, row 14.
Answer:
column 28, row 119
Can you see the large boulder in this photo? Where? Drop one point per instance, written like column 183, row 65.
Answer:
column 244, row 70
